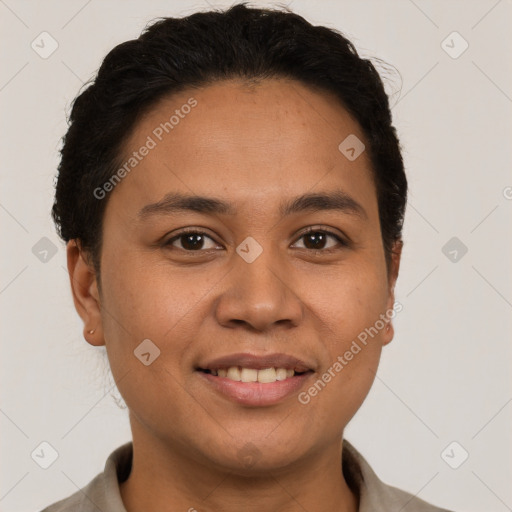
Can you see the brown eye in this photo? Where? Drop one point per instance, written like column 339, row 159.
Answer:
column 316, row 240
column 190, row 241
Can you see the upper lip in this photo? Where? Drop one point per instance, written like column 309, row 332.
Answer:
column 258, row 362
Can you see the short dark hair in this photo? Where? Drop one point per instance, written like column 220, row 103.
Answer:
column 173, row 54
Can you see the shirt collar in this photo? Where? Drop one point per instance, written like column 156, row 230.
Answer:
column 103, row 491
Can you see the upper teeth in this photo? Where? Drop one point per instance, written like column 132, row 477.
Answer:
column 252, row 375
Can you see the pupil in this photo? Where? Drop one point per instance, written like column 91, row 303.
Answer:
column 316, row 237
column 194, row 241
column 189, row 241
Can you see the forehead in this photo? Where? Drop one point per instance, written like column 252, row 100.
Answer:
column 255, row 143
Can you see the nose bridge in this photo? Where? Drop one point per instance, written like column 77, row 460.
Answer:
column 258, row 293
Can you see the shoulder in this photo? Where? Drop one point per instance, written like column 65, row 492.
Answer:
column 82, row 499
column 374, row 494
column 102, row 492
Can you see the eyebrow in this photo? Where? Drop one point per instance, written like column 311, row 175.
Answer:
column 174, row 202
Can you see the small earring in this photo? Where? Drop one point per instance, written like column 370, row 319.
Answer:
column 92, row 332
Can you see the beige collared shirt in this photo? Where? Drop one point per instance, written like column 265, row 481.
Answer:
column 102, row 493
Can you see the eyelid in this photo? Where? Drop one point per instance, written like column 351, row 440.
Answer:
column 195, row 230
column 342, row 239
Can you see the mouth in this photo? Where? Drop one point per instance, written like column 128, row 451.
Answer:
column 253, row 380
column 263, row 376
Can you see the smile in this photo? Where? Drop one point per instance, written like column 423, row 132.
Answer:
column 255, row 388
column 264, row 376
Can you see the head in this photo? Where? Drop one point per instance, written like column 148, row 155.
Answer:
column 247, row 110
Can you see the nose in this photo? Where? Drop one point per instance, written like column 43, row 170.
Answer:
column 259, row 296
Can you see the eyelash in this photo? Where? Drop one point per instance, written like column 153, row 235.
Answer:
column 193, row 231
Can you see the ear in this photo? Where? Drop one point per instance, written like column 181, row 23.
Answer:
column 84, row 288
column 394, row 267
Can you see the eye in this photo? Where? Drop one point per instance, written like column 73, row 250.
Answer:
column 315, row 240
column 190, row 241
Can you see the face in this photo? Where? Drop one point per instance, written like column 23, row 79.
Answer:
column 236, row 280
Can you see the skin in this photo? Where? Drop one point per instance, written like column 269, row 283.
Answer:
column 252, row 146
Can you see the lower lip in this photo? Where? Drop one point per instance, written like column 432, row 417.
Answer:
column 256, row 393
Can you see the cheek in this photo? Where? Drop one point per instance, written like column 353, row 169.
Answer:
column 350, row 300
column 352, row 354
column 349, row 312
column 144, row 297
column 148, row 299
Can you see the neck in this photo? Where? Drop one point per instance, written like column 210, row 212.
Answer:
column 169, row 478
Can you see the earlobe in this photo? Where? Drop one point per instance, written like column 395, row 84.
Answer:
column 84, row 289
column 389, row 333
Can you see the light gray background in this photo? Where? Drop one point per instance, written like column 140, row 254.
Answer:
column 446, row 375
